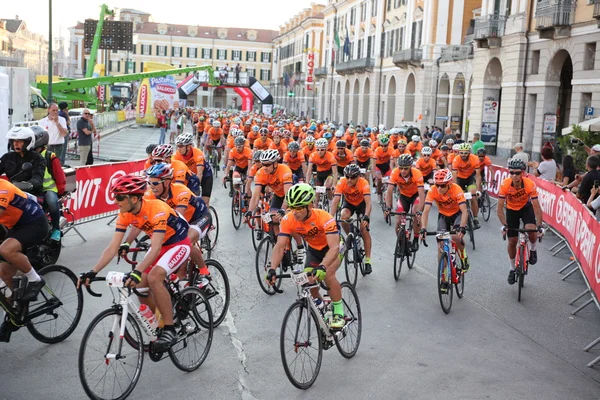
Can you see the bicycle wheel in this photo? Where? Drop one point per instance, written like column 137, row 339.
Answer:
column 399, row 254
column 521, row 271
column 263, row 263
column 194, row 327
column 301, row 345
column 486, row 206
column 350, row 262
column 257, row 230
column 236, row 209
column 471, row 229
column 58, row 308
column 359, row 254
column 213, row 231
column 104, row 377
column 444, row 283
column 217, row 292
column 143, row 239
column 460, row 286
column 347, row 339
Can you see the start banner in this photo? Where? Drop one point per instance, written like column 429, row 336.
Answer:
column 92, row 197
column 568, row 216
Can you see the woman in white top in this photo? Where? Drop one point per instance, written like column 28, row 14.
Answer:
column 174, row 118
column 547, row 169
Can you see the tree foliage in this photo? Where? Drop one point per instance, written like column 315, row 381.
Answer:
column 577, row 148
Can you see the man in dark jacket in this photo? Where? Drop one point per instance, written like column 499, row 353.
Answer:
column 21, row 141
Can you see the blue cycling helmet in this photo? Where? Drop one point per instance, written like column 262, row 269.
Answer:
column 160, row 170
column 368, row 130
column 313, row 128
column 328, row 136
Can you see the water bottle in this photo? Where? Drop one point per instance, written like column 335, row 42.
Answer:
column 320, row 306
column 5, row 290
column 149, row 317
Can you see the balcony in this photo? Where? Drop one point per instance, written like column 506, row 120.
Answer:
column 355, row 66
column 320, row 72
column 554, row 18
column 407, row 57
column 489, row 31
column 597, row 11
column 456, row 53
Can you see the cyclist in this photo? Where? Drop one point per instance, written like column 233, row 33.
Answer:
column 468, row 177
column 343, row 157
column 363, row 156
column 278, row 144
column 450, row 200
column 182, row 174
column 409, row 181
column 252, row 135
column 435, row 152
column 263, row 142
column 241, row 157
column 295, row 161
column 274, row 175
column 169, row 249
column 442, row 162
column 21, row 140
column 484, row 163
column 415, row 145
column 382, row 156
column 520, row 196
column 326, row 167
column 215, row 137
column 357, row 199
column 256, row 165
column 319, row 230
column 426, row 164
column 149, row 150
column 201, row 128
column 191, row 156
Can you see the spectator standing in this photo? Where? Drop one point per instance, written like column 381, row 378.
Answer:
column 56, row 127
column 85, row 132
column 64, row 112
column 448, row 135
column 568, row 170
column 173, row 126
column 547, row 169
column 477, row 143
column 590, row 179
column 162, row 124
column 593, row 202
column 238, row 69
column 520, row 154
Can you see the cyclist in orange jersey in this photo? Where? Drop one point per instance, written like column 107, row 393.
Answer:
column 181, row 173
column 401, row 149
column 343, row 156
column 465, row 168
column 484, row 162
column 443, row 162
column 350, row 136
column 192, row 157
column 325, row 163
column 294, row 159
column 426, row 164
column 263, row 142
column 414, row 146
column 287, row 137
column 278, row 144
column 253, row 135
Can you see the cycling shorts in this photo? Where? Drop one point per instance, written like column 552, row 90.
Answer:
column 315, row 257
column 340, row 171
column 364, row 165
column 30, row 234
column 207, row 186
column 298, row 174
column 445, row 223
column 358, row 210
column 202, row 224
column 384, row 169
column 466, row 183
column 172, row 256
column 240, row 170
column 428, row 177
column 322, row 177
column 215, row 143
column 405, row 202
column 276, row 203
column 514, row 218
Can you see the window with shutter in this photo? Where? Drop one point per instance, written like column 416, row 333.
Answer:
column 133, row 46
column 142, row 66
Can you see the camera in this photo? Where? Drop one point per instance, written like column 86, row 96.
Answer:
column 578, row 141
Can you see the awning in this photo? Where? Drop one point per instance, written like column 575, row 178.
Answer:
column 590, row 125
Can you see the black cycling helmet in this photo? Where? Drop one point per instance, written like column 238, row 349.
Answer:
column 340, row 144
column 405, row 160
column 41, row 136
column 515, row 163
column 481, row 152
column 365, row 143
column 150, row 147
column 351, row 171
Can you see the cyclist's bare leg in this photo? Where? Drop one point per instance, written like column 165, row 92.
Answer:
column 367, row 239
column 328, row 184
column 533, row 236
column 512, row 247
column 345, row 214
column 196, row 253
column 11, row 251
column 7, row 271
column 156, row 279
column 474, row 204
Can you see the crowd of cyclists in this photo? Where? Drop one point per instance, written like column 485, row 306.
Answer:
column 316, row 174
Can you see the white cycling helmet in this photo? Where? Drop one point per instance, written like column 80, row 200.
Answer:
column 416, row 138
column 432, row 143
column 216, row 124
column 310, row 139
column 426, row 151
column 269, row 156
column 339, row 134
column 456, row 147
column 184, row 139
column 321, row 143
column 236, row 132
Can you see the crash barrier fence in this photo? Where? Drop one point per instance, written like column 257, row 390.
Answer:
column 577, row 231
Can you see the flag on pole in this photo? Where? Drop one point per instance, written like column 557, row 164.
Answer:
column 336, row 39
column 347, row 44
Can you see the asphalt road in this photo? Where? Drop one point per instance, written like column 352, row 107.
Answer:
column 489, row 346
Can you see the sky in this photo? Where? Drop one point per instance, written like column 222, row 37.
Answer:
column 258, row 14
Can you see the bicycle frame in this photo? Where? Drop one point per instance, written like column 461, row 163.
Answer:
column 20, row 314
column 522, row 244
column 448, row 249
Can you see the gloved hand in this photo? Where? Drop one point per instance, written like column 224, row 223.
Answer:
column 124, row 248
column 248, row 214
column 271, row 276
column 86, row 277
column 318, row 272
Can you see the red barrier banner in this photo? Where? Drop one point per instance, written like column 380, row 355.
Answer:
column 92, row 197
column 568, row 216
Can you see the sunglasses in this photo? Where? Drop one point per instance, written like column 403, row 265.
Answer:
column 515, row 172
column 465, row 153
column 121, row 197
column 296, row 208
column 157, row 161
column 351, row 177
column 441, row 185
column 267, row 165
column 404, row 168
column 86, row 113
column 181, row 145
column 155, row 183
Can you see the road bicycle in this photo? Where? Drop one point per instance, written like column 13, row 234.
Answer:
column 322, row 199
column 209, row 241
column 238, row 203
column 53, row 315
column 213, row 156
column 470, row 225
column 485, row 201
column 353, row 249
column 450, row 270
column 381, row 196
column 522, row 260
column 112, row 349
column 256, row 223
column 404, row 239
column 305, row 331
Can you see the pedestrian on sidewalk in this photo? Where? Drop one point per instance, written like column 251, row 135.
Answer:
column 56, row 127
column 173, row 126
column 477, row 143
column 85, row 130
column 162, row 124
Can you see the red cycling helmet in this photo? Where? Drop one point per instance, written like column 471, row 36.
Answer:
column 163, row 151
column 128, row 185
column 442, row 176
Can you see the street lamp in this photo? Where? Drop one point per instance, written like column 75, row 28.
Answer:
column 49, row 51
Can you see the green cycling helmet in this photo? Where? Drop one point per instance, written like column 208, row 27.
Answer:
column 300, row 195
column 464, row 147
column 383, row 139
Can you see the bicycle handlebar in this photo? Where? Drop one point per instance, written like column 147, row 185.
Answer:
column 521, row 230
column 103, row 278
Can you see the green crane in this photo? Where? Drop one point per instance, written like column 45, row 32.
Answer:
column 104, row 11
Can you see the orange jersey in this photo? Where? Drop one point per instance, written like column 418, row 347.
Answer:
column 314, row 229
column 201, row 126
column 324, row 163
column 449, row 203
column 19, row 209
column 486, row 162
column 437, row 153
column 344, row 159
column 281, row 148
column 354, row 195
column 193, row 160
column 349, row 139
column 260, row 144
column 155, row 216
column 294, row 162
column 253, row 170
column 147, row 164
column 181, row 172
column 252, row 136
column 382, row 156
column 215, row 133
column 362, row 156
column 397, row 153
column 517, row 198
column 426, row 167
column 307, row 151
column 181, row 196
column 450, row 158
column 408, row 186
column 413, row 147
column 241, row 159
column 465, row 168
column 276, row 180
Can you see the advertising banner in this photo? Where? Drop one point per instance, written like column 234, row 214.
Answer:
column 154, row 96
column 490, row 112
column 93, row 197
column 568, row 216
